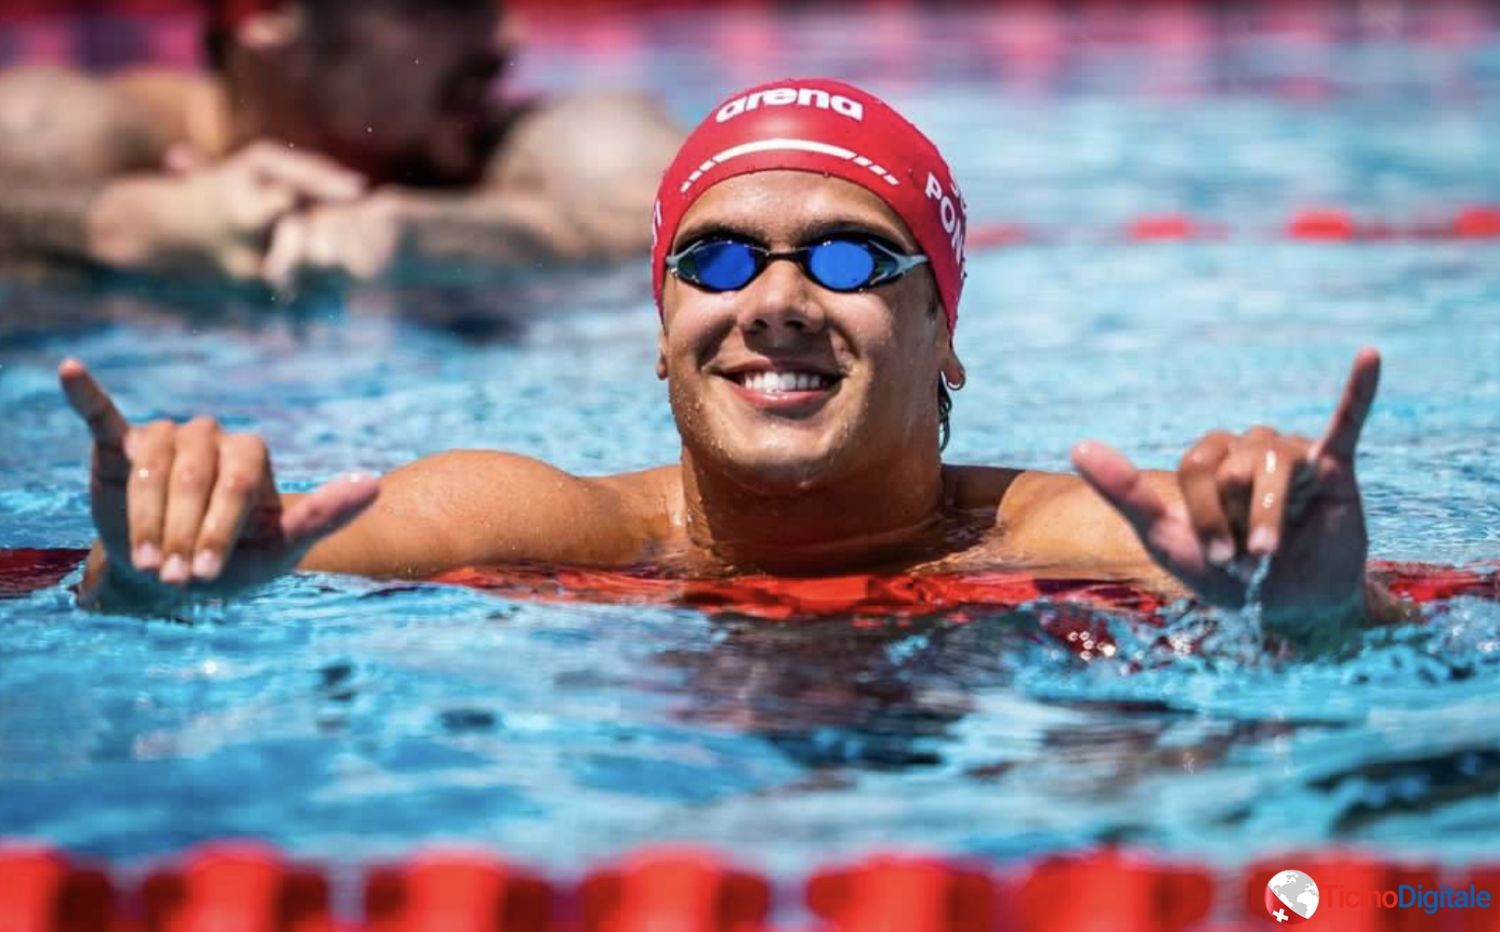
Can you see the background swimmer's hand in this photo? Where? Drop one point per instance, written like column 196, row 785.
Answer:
column 215, row 220
column 359, row 241
column 189, row 504
column 1256, row 494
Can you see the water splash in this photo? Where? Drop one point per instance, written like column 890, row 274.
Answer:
column 1240, row 634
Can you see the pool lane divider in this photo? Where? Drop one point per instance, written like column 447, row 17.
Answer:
column 250, row 887
column 1328, row 224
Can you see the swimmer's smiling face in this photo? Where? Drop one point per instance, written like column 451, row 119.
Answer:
column 784, row 385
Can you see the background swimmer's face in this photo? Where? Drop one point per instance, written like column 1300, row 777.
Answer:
column 877, row 353
column 402, row 94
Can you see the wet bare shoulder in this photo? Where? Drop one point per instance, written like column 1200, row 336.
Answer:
column 181, row 106
column 1056, row 518
column 1013, row 498
column 651, row 501
column 601, row 193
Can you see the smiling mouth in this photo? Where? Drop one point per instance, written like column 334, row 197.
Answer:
column 782, row 383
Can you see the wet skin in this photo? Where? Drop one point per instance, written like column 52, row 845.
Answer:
column 840, row 473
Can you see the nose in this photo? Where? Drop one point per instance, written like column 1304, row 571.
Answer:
column 781, row 302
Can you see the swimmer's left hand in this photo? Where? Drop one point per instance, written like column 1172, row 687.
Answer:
column 1257, row 494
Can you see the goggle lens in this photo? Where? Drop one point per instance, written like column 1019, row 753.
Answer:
column 841, row 265
column 723, row 265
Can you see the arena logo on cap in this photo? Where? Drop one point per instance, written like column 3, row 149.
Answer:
column 1291, row 897
column 789, row 96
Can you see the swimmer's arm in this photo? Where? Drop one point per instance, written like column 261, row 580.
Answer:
column 455, row 509
column 1056, row 519
column 470, row 507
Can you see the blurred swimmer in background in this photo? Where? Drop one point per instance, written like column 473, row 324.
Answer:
column 349, row 137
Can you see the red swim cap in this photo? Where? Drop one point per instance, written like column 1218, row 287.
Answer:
column 830, row 128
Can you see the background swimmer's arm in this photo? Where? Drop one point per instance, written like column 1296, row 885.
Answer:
column 396, row 234
column 81, row 181
column 473, row 507
column 213, row 220
column 573, row 181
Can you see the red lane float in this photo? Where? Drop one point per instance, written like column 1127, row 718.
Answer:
column 891, row 893
column 42, row 891
column 1110, row 892
column 992, row 235
column 1476, row 223
column 1155, row 228
column 1330, row 224
column 676, row 889
column 455, row 892
column 236, row 887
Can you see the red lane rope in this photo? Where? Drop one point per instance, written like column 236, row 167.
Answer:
column 1329, row 224
column 249, row 887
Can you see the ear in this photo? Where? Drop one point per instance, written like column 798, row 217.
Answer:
column 953, row 371
column 948, row 362
column 661, row 354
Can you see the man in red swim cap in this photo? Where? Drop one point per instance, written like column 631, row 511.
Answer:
column 808, row 264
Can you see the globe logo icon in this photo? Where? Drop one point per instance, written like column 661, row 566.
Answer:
column 1291, row 896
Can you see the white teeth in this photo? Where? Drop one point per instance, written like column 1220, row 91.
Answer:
column 775, row 382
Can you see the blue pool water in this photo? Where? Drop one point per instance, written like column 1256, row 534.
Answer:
column 347, row 719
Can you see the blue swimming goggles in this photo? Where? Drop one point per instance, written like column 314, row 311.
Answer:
column 838, row 263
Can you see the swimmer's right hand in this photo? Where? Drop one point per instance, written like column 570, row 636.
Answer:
column 189, row 505
column 214, row 220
